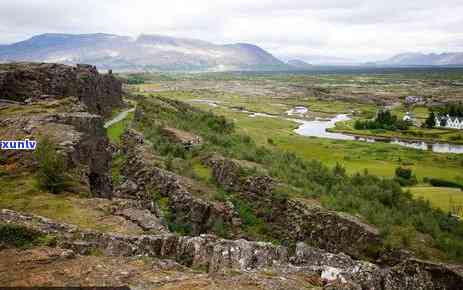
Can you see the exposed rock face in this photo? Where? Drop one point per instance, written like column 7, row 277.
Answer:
column 79, row 134
column 329, row 230
column 55, row 267
column 91, row 150
column 143, row 218
column 22, row 81
column 333, row 231
column 230, row 175
column 338, row 271
column 199, row 214
column 418, row 274
column 187, row 139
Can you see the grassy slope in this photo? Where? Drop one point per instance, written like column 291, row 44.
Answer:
column 116, row 130
column 20, row 193
column 378, row 158
column 367, row 201
column 441, row 197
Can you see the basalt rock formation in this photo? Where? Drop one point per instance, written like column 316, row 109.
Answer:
column 65, row 104
column 338, row 271
column 79, row 135
column 32, row 81
column 329, row 230
column 199, row 214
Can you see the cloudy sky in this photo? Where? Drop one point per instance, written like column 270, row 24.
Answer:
column 356, row 29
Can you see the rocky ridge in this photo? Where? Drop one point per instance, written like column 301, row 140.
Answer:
column 329, row 230
column 148, row 179
column 32, row 81
column 218, row 255
column 65, row 104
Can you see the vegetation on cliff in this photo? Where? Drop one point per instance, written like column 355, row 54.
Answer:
column 380, row 201
column 51, row 167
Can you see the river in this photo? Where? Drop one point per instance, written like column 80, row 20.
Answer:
column 317, row 128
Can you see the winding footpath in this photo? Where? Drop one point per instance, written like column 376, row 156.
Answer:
column 121, row 116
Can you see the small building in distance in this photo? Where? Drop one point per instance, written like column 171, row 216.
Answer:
column 449, row 122
column 409, row 117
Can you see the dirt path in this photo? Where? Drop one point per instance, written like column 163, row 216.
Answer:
column 121, row 116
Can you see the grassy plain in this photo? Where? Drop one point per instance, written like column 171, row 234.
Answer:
column 20, row 192
column 447, row 199
column 378, row 158
column 327, row 94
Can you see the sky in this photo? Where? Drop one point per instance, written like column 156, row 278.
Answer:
column 362, row 30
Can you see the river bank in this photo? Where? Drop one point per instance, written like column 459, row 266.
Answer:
column 327, row 129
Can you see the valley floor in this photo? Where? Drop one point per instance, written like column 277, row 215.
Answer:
column 378, row 158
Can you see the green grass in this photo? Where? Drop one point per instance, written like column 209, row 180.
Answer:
column 20, row 193
column 116, row 169
column 378, row 158
column 447, row 199
column 378, row 201
column 22, row 237
column 203, row 172
column 116, row 130
column 413, row 133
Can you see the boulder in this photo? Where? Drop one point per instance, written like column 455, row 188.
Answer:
column 185, row 138
column 233, row 175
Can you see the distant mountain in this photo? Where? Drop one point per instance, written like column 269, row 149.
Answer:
column 320, row 60
column 299, row 64
column 147, row 52
column 415, row 59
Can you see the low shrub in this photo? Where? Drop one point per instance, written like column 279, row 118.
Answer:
column 444, row 183
column 51, row 166
column 22, row 237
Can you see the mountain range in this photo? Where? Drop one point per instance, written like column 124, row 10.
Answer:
column 147, row 52
column 165, row 53
column 432, row 59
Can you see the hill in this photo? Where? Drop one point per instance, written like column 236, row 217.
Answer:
column 145, row 53
column 432, row 59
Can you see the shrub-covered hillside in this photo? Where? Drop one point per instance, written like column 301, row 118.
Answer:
column 403, row 221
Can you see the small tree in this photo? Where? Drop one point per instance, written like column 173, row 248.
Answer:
column 51, row 166
column 430, row 121
column 405, row 176
column 405, row 173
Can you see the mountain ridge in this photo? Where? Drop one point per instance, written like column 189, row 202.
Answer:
column 419, row 58
column 144, row 53
column 156, row 52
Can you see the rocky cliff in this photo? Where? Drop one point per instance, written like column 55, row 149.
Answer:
column 65, row 104
column 315, row 225
column 32, row 81
column 79, row 135
column 337, row 271
column 184, row 208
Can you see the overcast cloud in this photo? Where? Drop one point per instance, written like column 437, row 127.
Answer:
column 358, row 29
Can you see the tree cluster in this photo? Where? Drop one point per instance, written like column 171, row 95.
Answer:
column 384, row 120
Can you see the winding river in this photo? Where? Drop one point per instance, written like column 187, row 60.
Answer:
column 317, row 128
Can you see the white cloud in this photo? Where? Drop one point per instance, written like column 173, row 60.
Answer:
column 358, row 29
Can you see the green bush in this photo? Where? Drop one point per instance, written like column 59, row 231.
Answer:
column 21, row 237
column 51, row 167
column 444, row 183
column 405, row 177
column 384, row 121
column 380, row 201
